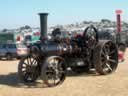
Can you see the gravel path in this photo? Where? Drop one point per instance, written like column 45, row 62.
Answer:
column 115, row 84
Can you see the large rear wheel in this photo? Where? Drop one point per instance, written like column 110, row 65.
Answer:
column 53, row 71
column 105, row 57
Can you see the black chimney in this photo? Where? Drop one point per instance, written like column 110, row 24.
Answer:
column 43, row 24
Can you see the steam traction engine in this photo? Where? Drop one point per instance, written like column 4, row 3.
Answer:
column 49, row 59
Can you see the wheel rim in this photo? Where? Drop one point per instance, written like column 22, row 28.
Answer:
column 28, row 69
column 109, row 58
column 55, row 72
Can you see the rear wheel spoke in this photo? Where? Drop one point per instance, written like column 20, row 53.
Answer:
column 49, row 71
column 105, row 51
column 112, row 61
column 54, row 80
column 61, row 71
column 103, row 54
column 112, row 52
column 109, row 67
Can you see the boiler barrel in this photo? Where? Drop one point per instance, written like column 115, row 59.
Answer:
column 55, row 49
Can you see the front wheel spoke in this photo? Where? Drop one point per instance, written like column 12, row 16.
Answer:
column 26, row 64
column 32, row 75
column 24, row 71
column 24, row 67
column 33, row 62
column 28, row 61
column 27, row 75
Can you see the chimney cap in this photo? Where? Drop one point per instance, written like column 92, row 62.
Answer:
column 43, row 13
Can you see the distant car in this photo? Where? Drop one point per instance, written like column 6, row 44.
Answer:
column 10, row 51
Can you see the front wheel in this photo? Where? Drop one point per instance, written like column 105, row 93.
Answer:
column 28, row 69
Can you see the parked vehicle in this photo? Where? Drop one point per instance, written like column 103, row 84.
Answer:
column 10, row 51
column 21, row 50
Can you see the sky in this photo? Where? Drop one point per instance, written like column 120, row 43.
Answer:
column 17, row 13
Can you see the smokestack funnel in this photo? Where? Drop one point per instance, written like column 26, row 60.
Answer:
column 43, row 24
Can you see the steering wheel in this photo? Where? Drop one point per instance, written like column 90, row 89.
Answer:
column 90, row 36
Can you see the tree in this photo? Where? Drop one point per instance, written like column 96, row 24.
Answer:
column 105, row 20
column 25, row 27
column 5, row 30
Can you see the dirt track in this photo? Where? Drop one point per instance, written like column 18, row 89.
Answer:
column 115, row 84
